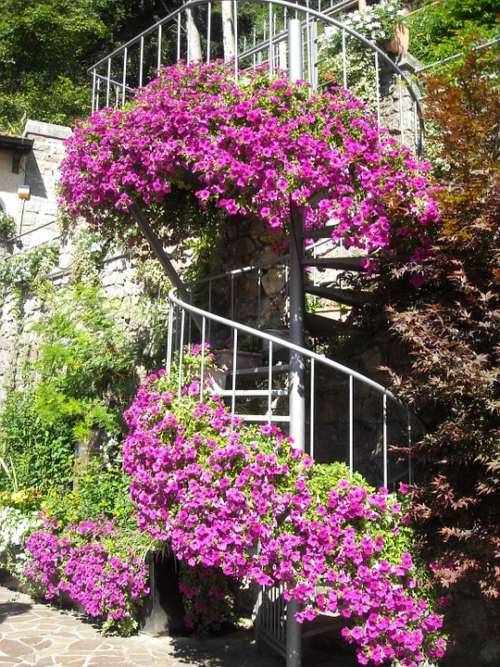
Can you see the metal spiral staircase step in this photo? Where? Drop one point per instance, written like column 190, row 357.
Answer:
column 318, row 325
column 345, row 296
column 260, row 371
column 340, row 263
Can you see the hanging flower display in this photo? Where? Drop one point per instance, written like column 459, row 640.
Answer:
column 250, row 149
column 238, row 499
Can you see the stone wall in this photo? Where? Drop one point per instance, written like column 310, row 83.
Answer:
column 42, row 174
column 37, row 225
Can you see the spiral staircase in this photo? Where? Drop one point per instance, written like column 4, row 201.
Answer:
column 268, row 376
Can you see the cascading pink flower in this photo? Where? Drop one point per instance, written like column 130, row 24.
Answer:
column 76, row 562
column 214, row 489
column 250, row 149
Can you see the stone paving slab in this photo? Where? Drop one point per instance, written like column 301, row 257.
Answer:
column 38, row 635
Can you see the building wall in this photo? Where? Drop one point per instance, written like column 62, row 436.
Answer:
column 38, row 224
column 9, row 182
column 42, row 175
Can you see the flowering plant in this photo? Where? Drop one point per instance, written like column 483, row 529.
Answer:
column 85, row 563
column 340, row 52
column 16, row 524
column 249, row 149
column 376, row 22
column 239, row 499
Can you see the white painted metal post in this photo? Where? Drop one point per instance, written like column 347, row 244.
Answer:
column 296, row 379
column 295, row 59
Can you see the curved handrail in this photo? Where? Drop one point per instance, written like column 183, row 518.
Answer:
column 263, row 335
column 280, row 3
column 286, row 4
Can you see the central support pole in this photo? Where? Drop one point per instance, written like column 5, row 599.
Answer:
column 297, row 370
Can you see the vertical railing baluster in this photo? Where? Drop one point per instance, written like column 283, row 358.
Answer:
column 385, row 438
column 344, row 59
column 415, row 125
column 377, row 86
column 99, row 82
column 179, row 26
column 309, row 51
column 177, row 329
column 94, row 87
column 108, row 82
column 235, row 365
column 235, row 32
column 270, row 383
column 188, row 35
column 270, row 47
column 209, row 30
column 190, row 317
column 170, row 335
column 254, row 41
column 351, row 425
column 401, row 119
column 409, row 436
column 314, row 56
column 259, row 296
column 141, row 61
column 160, row 39
column 202, row 372
column 124, row 75
column 181, row 350
column 312, row 408
column 232, row 296
column 209, row 307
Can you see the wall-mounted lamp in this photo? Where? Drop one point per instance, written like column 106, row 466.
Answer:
column 24, row 192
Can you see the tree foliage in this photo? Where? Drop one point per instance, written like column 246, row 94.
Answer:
column 437, row 29
column 47, row 45
column 451, row 330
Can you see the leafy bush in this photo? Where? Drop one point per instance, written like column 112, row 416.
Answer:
column 40, row 453
column 7, row 226
column 27, row 270
column 76, row 387
column 84, row 361
column 238, row 499
column 100, row 492
column 438, row 29
column 16, row 525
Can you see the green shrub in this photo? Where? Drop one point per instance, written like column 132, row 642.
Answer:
column 40, row 454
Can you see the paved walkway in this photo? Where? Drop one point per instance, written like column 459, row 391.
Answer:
column 37, row 635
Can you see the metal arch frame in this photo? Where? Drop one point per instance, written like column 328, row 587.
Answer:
column 280, row 3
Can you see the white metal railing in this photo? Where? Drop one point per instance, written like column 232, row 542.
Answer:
column 265, row 383
column 131, row 66
column 267, row 373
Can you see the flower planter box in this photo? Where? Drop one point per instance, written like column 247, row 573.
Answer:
column 400, row 42
column 162, row 612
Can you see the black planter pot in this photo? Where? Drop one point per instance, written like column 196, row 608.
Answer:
column 163, row 611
